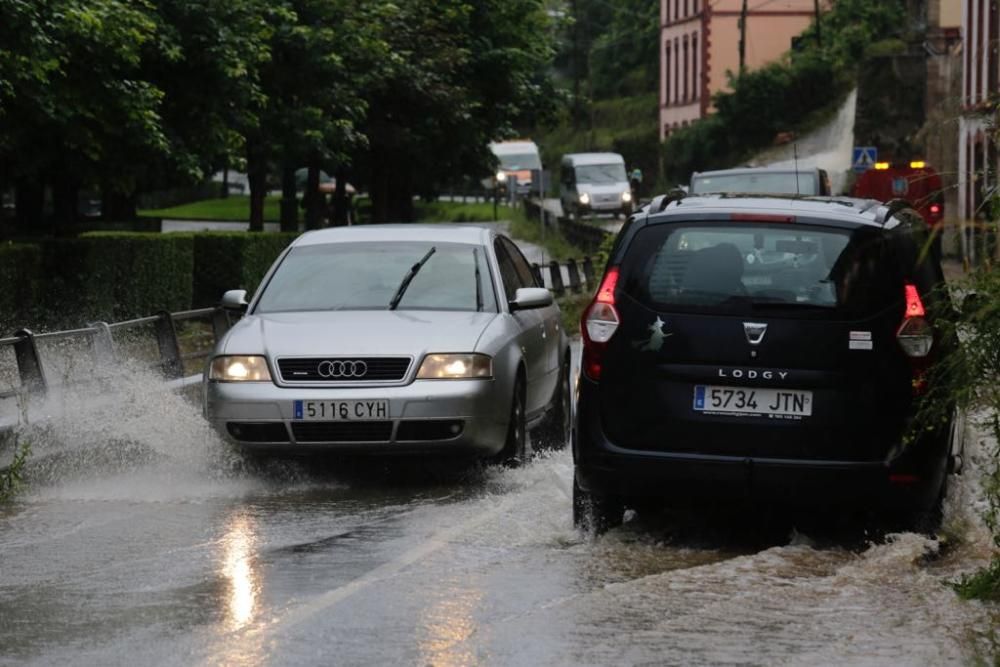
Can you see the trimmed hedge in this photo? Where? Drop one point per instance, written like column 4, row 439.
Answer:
column 233, row 260
column 20, row 283
column 61, row 283
column 149, row 272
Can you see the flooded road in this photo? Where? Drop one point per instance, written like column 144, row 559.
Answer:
column 143, row 540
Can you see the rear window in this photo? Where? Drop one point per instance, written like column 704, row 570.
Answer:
column 749, row 268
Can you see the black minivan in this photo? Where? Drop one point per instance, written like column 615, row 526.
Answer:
column 768, row 349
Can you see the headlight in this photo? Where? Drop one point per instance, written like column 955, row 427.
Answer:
column 584, row 198
column 501, row 176
column 239, row 369
column 626, row 196
column 456, row 367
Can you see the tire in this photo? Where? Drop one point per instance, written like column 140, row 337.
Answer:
column 515, row 449
column 555, row 431
column 594, row 512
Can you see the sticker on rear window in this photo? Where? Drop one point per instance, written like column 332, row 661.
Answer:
column 861, row 335
column 656, row 337
column 860, row 345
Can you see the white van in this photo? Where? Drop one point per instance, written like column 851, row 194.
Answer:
column 594, row 183
column 518, row 162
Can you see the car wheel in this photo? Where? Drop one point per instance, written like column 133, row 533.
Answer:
column 596, row 512
column 554, row 432
column 515, row 449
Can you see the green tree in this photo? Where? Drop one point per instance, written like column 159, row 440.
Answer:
column 312, row 85
column 71, row 93
column 624, row 56
column 456, row 76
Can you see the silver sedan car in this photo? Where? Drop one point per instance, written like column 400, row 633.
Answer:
column 394, row 339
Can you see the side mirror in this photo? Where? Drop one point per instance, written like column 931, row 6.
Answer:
column 235, row 299
column 527, row 298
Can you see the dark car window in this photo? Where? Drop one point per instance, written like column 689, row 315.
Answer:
column 365, row 276
column 525, row 275
column 508, row 273
column 746, row 268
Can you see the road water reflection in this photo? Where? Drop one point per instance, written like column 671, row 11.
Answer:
column 133, row 547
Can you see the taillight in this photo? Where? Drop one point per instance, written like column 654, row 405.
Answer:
column 598, row 325
column 935, row 209
column 916, row 337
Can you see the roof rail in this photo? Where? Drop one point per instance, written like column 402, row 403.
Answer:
column 661, row 202
column 891, row 208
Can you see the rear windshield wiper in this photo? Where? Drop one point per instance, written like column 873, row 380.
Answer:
column 479, row 280
column 408, row 278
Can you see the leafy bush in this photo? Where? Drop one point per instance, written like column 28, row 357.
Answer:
column 11, row 476
column 969, row 377
column 764, row 102
column 233, row 260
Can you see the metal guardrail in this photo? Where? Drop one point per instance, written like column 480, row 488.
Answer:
column 569, row 276
column 33, row 382
column 584, row 236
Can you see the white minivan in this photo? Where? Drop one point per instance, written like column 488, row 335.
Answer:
column 594, row 183
column 518, row 162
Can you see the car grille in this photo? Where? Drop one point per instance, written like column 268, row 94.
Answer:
column 344, row 369
column 373, row 431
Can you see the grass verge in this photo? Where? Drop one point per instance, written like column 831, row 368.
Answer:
column 530, row 230
column 235, row 208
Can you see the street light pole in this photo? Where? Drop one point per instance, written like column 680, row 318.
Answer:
column 743, row 37
column 819, row 34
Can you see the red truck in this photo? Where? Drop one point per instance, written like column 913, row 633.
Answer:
column 913, row 181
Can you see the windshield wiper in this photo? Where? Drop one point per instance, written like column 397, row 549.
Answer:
column 479, row 281
column 408, row 278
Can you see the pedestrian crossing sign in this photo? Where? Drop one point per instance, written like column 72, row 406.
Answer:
column 864, row 158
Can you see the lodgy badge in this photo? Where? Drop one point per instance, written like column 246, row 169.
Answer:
column 751, row 374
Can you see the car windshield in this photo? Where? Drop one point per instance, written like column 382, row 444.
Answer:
column 599, row 174
column 756, row 183
column 727, row 268
column 520, row 161
column 366, row 276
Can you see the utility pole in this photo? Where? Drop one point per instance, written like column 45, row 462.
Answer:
column 819, row 35
column 743, row 37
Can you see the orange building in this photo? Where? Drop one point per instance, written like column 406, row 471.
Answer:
column 699, row 43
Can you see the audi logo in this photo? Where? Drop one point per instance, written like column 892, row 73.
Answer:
column 338, row 368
